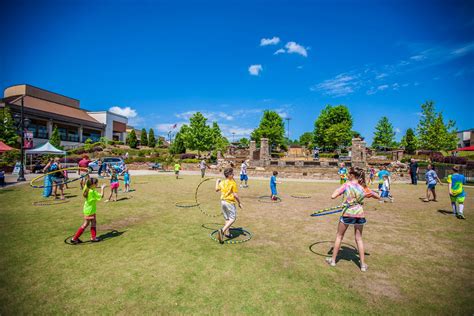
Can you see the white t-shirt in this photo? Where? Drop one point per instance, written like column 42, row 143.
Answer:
column 243, row 169
column 202, row 164
column 386, row 185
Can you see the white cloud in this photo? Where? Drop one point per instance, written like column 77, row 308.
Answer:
column 343, row 84
column 397, row 130
column 269, row 41
column 255, row 70
column 469, row 47
column 126, row 111
column 418, row 57
column 279, row 51
column 371, row 91
column 299, row 67
column 381, row 76
column 211, row 116
column 382, row 87
column 294, row 48
column 166, row 127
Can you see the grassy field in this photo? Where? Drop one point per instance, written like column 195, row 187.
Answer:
column 161, row 260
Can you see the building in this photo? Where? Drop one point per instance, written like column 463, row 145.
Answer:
column 115, row 124
column 47, row 109
column 465, row 138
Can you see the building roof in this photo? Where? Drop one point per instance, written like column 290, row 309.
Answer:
column 25, row 89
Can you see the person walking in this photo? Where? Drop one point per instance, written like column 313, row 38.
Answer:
column 413, row 166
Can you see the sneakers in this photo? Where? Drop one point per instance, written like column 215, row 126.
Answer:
column 77, row 241
column 95, row 240
column 461, row 216
column 330, row 262
column 364, row 267
column 220, row 236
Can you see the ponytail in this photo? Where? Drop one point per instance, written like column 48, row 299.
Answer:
column 89, row 183
column 359, row 174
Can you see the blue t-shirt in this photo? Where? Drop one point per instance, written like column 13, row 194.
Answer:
column 382, row 173
column 431, row 176
column 273, row 181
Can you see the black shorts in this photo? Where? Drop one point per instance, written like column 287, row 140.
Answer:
column 352, row 220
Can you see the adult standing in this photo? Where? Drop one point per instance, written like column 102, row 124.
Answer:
column 413, row 171
column 84, row 168
column 203, row 166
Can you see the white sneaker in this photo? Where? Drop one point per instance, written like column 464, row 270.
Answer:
column 330, row 262
column 364, row 268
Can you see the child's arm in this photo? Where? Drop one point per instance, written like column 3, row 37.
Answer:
column 218, row 182
column 102, row 187
column 337, row 192
column 237, row 199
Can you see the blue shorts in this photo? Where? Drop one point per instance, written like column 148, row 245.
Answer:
column 384, row 194
column 431, row 186
column 352, row 220
column 244, row 177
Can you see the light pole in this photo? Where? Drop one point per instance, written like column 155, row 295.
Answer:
column 21, row 124
column 288, row 119
column 233, row 137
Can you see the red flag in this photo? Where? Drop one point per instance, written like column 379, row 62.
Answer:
column 174, row 126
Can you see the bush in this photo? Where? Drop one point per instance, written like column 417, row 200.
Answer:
column 187, row 156
column 328, row 155
column 190, row 160
column 10, row 157
column 88, row 141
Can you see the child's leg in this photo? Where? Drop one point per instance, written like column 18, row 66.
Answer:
column 116, row 193
column 81, row 230
column 461, row 209
column 341, row 230
column 227, row 225
column 93, row 229
column 360, row 244
column 454, row 206
column 434, row 194
column 61, row 189
column 110, row 196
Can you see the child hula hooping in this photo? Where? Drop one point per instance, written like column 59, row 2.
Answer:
column 89, row 210
column 354, row 191
column 229, row 197
column 457, row 193
column 273, row 186
column 431, row 180
column 114, row 184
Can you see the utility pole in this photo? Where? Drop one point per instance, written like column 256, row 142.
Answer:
column 233, row 137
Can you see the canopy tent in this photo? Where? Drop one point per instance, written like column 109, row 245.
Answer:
column 470, row 148
column 46, row 149
column 4, row 147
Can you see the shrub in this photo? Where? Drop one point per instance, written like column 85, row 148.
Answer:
column 10, row 157
column 190, row 160
column 187, row 156
column 88, row 141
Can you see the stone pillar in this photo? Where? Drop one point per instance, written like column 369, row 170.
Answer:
column 49, row 127
column 79, row 131
column 252, row 149
column 219, row 154
column 264, row 151
column 358, row 153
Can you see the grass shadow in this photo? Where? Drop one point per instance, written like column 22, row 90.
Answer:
column 106, row 236
column 123, row 198
column 3, row 191
column 347, row 252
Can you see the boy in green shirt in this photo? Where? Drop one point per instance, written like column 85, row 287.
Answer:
column 177, row 167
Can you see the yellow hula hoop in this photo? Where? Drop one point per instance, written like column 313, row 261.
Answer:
column 55, row 171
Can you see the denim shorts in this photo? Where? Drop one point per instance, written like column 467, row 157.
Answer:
column 431, row 186
column 352, row 220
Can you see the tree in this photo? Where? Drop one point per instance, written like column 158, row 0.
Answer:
column 384, row 135
column 271, row 127
column 55, row 139
column 198, row 135
column 409, row 141
column 143, row 138
column 333, row 127
column 219, row 142
column 244, row 142
column 7, row 129
column 151, row 138
column 132, row 139
column 306, row 139
column 433, row 132
column 178, row 145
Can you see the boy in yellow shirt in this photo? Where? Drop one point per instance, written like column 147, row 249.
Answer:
column 229, row 197
column 177, row 167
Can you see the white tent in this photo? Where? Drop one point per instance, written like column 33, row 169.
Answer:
column 45, row 149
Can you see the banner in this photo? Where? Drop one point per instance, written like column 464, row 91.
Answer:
column 28, row 140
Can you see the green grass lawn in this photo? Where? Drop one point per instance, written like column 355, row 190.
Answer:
column 421, row 260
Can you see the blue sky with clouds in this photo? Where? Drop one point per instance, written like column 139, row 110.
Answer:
column 158, row 62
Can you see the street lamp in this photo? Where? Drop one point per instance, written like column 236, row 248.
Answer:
column 21, row 124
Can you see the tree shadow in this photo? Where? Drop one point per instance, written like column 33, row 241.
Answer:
column 347, row 252
column 3, row 191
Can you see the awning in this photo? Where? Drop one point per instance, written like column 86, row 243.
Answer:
column 46, row 149
column 470, row 148
column 4, row 147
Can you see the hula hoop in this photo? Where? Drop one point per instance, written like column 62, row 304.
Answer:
column 230, row 241
column 330, row 250
column 50, row 202
column 185, row 204
column 300, row 196
column 339, row 207
column 268, row 199
column 59, row 170
column 326, row 213
column 199, row 204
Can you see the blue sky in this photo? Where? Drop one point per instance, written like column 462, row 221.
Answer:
column 160, row 61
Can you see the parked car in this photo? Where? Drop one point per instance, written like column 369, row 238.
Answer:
column 111, row 161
